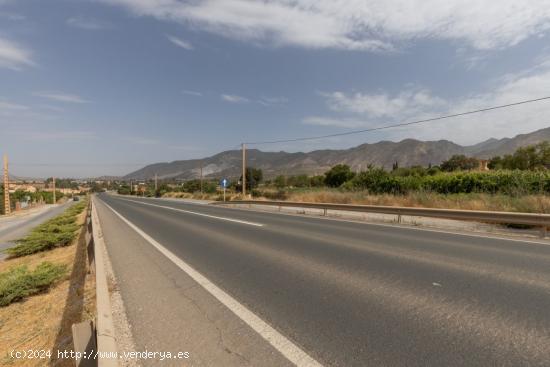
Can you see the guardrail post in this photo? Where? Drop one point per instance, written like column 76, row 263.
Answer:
column 399, row 218
column 325, row 212
column 542, row 232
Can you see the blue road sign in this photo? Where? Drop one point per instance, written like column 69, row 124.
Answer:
column 224, row 183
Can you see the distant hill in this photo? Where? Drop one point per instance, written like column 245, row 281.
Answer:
column 407, row 152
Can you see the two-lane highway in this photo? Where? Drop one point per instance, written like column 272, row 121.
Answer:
column 343, row 293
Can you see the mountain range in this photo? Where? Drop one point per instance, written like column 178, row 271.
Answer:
column 408, row 152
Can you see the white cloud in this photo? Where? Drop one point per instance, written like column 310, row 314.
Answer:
column 88, row 24
column 14, row 56
column 61, row 97
column 11, row 107
column 272, row 101
column 406, row 103
column 356, row 24
column 232, row 98
column 192, row 93
column 12, row 16
column 179, row 42
column 360, row 111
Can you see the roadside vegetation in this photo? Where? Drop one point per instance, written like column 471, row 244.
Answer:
column 43, row 293
column 515, row 182
column 56, row 232
column 19, row 282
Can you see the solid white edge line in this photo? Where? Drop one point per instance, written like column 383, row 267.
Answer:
column 201, row 214
column 288, row 349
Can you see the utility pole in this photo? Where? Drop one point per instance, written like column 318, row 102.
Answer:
column 244, row 171
column 7, row 207
column 53, row 180
column 201, row 176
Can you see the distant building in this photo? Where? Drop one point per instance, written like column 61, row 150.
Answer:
column 13, row 187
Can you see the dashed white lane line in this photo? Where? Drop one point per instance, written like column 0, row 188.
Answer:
column 287, row 348
column 196, row 213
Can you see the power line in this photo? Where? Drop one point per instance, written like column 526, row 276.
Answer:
column 77, row 164
column 399, row 124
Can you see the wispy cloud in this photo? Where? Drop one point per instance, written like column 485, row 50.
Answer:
column 373, row 25
column 12, row 16
column 411, row 101
column 10, row 107
column 14, row 56
column 192, row 93
column 89, row 24
column 233, row 98
column 61, row 97
column 272, row 101
column 180, row 42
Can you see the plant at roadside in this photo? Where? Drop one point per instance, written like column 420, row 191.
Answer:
column 337, row 175
column 18, row 283
column 56, row 232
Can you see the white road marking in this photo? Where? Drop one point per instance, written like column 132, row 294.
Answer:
column 201, row 214
column 288, row 349
column 436, row 284
column 486, row 235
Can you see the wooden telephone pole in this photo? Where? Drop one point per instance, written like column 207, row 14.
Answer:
column 53, row 184
column 7, row 207
column 244, row 171
column 201, row 176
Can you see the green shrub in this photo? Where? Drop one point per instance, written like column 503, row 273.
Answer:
column 338, row 175
column 18, row 283
column 514, row 183
column 56, row 232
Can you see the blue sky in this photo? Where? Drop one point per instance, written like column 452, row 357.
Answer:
column 103, row 87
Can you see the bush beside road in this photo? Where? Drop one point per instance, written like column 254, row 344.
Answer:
column 42, row 294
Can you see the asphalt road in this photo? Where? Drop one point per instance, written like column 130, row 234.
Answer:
column 348, row 294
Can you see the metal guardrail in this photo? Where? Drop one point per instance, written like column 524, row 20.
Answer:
column 95, row 340
column 531, row 219
column 105, row 330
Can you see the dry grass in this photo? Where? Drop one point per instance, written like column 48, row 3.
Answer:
column 527, row 203
column 43, row 321
column 496, row 202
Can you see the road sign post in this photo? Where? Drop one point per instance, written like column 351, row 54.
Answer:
column 224, row 183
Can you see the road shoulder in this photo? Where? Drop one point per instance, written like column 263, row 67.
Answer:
column 168, row 311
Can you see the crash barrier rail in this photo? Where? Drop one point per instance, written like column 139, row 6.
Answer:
column 530, row 219
column 95, row 340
